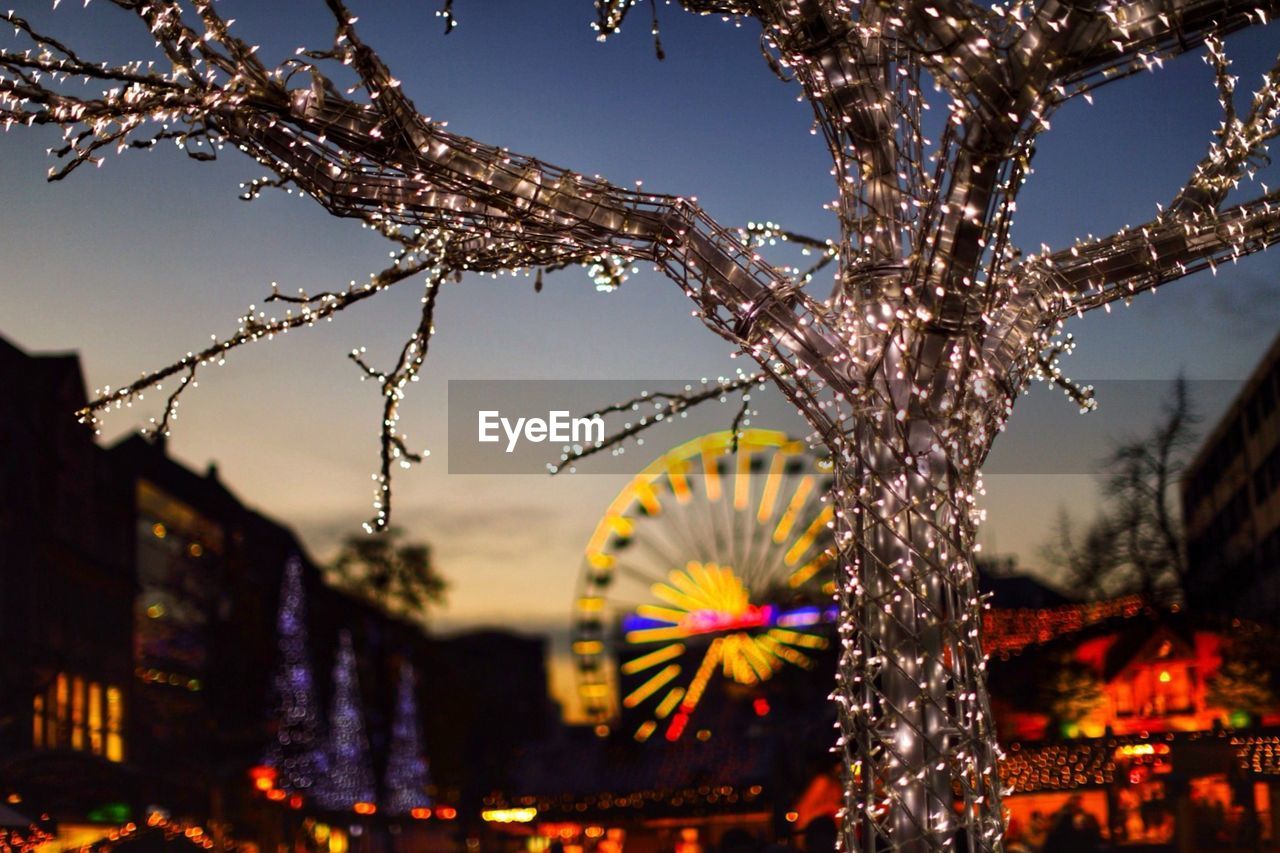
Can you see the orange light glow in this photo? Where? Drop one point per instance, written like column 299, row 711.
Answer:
column 420, row 813
column 446, row 812
column 264, row 778
column 364, row 808
column 276, row 794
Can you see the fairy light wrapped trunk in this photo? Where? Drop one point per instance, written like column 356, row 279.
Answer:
column 905, row 372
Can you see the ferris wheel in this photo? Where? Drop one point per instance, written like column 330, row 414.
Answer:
column 712, row 564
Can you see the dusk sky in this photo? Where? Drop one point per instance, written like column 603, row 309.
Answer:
column 136, row 262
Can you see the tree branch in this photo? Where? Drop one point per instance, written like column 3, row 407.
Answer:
column 1095, row 273
column 393, row 445
column 671, row 404
column 1241, row 143
column 1096, row 44
column 254, row 326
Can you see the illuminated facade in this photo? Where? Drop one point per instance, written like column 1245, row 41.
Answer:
column 1146, row 678
column 1125, row 720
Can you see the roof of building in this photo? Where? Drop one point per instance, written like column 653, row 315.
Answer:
column 1256, row 377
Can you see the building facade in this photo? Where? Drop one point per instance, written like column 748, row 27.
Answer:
column 1231, row 503
column 66, row 593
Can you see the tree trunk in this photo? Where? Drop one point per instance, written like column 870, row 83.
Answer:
column 915, row 720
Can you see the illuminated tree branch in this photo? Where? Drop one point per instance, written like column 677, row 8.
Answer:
column 665, row 406
column 254, row 326
column 394, row 448
column 1093, row 274
column 1192, row 234
column 1093, row 44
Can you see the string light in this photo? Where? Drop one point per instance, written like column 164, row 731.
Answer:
column 906, row 373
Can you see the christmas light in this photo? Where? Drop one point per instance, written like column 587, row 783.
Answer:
column 295, row 757
column 349, row 783
column 906, row 373
column 407, row 778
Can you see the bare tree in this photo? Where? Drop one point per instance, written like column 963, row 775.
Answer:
column 1087, row 558
column 906, row 371
column 1136, row 543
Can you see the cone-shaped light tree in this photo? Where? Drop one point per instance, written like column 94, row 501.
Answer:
column 297, row 754
column 906, row 371
column 350, row 777
column 407, row 777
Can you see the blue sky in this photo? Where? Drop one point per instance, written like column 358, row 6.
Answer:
column 142, row 259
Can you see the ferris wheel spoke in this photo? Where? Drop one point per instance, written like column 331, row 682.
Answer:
column 739, row 518
column 761, row 556
column 796, row 494
column 787, row 653
column 644, row 576
column 661, row 552
column 690, row 542
column 711, row 483
column 703, row 528
column 742, row 480
column 773, row 482
column 805, row 541
column 806, row 572
column 668, row 703
column 648, row 688
column 794, row 506
column 666, row 633
column 652, row 659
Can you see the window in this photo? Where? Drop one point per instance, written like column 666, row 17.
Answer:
column 75, row 713
column 37, row 721
column 115, row 725
column 95, row 718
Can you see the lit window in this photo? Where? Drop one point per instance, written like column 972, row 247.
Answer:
column 74, row 713
column 57, row 737
column 115, row 725
column 95, row 718
column 37, row 721
column 77, row 713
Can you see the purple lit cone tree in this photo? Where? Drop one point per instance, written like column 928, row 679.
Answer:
column 906, row 371
column 350, row 777
column 296, row 755
column 407, row 777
